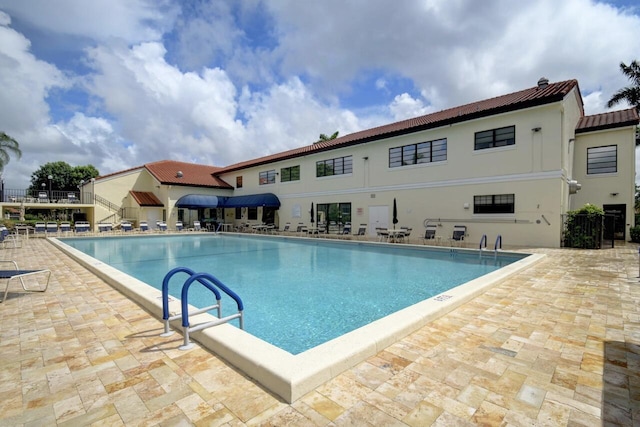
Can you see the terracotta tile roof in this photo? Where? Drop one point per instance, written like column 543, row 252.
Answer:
column 531, row 97
column 613, row 119
column 193, row 175
column 145, row 198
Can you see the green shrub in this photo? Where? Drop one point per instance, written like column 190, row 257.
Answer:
column 635, row 233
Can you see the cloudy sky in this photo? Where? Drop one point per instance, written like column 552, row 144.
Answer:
column 120, row 83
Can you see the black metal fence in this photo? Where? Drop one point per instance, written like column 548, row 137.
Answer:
column 588, row 231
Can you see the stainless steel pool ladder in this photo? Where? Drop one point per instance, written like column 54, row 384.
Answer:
column 496, row 247
column 209, row 282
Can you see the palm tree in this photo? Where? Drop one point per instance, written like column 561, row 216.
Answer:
column 631, row 94
column 8, row 144
column 324, row 137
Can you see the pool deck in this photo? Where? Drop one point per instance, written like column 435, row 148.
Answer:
column 557, row 344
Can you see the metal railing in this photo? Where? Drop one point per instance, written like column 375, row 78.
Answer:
column 43, row 196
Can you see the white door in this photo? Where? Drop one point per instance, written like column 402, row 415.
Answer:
column 378, row 218
column 153, row 215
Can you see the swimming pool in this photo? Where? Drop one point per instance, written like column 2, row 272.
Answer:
column 297, row 294
column 292, row 375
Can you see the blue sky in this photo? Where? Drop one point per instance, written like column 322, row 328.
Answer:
column 120, row 83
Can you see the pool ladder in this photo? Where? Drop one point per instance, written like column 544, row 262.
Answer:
column 212, row 284
column 496, row 247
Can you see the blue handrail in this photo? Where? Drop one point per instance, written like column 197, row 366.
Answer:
column 165, row 300
column 165, row 289
column 210, row 283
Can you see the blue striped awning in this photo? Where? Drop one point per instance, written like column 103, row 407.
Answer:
column 195, row 201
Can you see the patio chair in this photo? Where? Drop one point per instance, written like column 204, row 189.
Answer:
column 383, row 234
column 179, row 226
column 144, row 226
column 459, row 233
column 406, row 233
column 71, row 198
column 52, row 228
column 430, row 233
column 161, row 226
column 43, row 197
column 16, row 273
column 126, row 227
column 302, row 229
column 287, row 228
column 197, row 226
column 347, row 228
column 362, row 230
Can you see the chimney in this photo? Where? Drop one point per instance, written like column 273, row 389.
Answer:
column 543, row 82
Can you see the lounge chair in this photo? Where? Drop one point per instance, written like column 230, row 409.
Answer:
column 82, row 227
column 65, row 227
column 362, row 230
column 16, row 273
column 197, row 226
column 7, row 238
column 105, row 227
column 40, row 228
column 459, row 233
column 126, row 227
column 179, row 226
column 43, row 197
column 162, row 226
column 71, row 198
column 430, row 233
column 144, row 226
column 52, row 228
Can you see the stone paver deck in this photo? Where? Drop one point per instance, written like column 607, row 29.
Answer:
column 558, row 344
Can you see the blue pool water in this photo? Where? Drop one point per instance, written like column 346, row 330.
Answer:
column 297, row 294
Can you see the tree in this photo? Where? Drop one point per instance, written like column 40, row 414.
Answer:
column 631, row 94
column 63, row 176
column 8, row 145
column 324, row 137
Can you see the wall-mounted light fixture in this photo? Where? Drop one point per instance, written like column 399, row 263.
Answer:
column 365, row 158
column 614, row 194
column 536, row 129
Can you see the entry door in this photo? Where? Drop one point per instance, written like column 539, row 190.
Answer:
column 378, row 218
column 615, row 221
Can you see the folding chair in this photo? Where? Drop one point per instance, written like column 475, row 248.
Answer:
column 16, row 273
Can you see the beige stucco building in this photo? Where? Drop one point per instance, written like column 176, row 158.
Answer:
column 501, row 166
